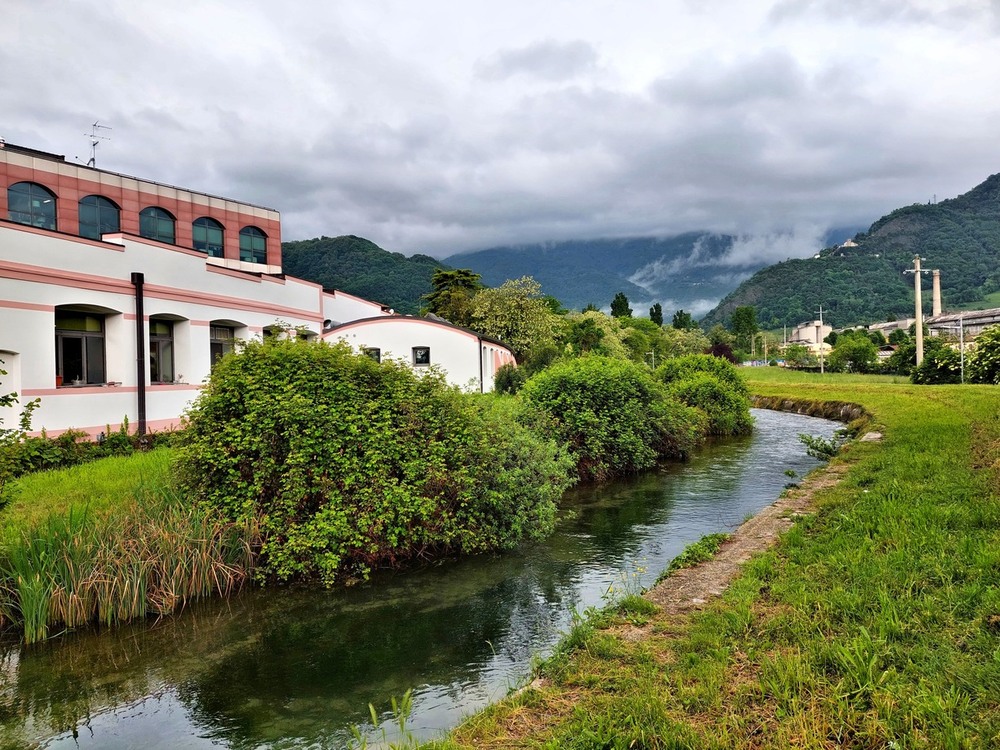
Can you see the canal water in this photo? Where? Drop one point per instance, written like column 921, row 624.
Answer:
column 297, row 667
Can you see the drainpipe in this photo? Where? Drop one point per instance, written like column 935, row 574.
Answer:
column 140, row 354
column 482, row 384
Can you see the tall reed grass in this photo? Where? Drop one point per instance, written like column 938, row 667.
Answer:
column 148, row 558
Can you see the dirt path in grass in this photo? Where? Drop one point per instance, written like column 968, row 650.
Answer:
column 691, row 588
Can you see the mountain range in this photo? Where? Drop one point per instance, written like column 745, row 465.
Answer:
column 691, row 271
column 864, row 281
column 856, row 275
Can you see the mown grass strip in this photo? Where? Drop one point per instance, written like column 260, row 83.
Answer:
column 874, row 623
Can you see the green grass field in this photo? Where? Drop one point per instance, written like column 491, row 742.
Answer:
column 97, row 487
column 874, row 623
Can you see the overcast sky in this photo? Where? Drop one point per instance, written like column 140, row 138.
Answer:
column 440, row 126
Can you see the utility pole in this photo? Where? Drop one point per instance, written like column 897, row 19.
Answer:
column 919, row 308
column 819, row 340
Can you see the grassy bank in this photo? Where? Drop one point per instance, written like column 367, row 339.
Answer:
column 109, row 541
column 874, row 623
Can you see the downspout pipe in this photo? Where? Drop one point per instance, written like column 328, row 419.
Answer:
column 138, row 280
column 482, row 377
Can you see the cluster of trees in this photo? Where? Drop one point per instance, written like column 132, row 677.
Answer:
column 857, row 351
column 539, row 330
column 345, row 464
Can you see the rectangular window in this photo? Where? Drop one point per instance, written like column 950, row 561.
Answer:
column 373, row 352
column 79, row 348
column 421, row 355
column 220, row 342
column 161, row 351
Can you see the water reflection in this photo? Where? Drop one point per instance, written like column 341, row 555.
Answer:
column 297, row 667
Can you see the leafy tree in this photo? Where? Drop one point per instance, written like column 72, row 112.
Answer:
column 743, row 324
column 584, row 334
column 899, row 336
column 619, row 306
column 515, row 313
column 676, row 342
column 555, row 305
column 984, row 363
column 453, row 292
column 798, row 355
column 346, row 464
column 656, row 314
column 591, row 307
column 683, row 321
column 853, row 353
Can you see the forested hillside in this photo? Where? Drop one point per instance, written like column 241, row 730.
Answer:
column 866, row 283
column 357, row 266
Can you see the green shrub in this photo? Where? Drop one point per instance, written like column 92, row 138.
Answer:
column 615, row 418
column 941, row 365
column 681, row 368
column 350, row 464
column 728, row 411
column 509, row 379
column 984, row 362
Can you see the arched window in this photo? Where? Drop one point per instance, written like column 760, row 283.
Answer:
column 156, row 224
column 32, row 204
column 98, row 216
column 207, row 234
column 253, row 245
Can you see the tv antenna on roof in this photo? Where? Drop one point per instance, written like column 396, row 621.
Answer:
column 96, row 138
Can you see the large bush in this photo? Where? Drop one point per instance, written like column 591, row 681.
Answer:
column 614, row 416
column 984, row 363
column 728, row 411
column 349, row 464
column 681, row 368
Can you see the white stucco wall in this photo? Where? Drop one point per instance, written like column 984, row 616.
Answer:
column 467, row 360
column 41, row 270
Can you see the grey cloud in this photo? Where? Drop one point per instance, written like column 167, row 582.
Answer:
column 772, row 74
column 954, row 13
column 548, row 60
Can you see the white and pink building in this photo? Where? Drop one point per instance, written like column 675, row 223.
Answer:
column 117, row 294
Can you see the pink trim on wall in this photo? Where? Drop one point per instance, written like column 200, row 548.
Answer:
column 42, row 275
column 234, row 272
column 399, row 319
column 79, row 390
column 338, row 293
column 11, row 304
column 59, row 232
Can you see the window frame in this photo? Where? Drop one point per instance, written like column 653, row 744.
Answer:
column 162, row 217
column 206, row 224
column 161, row 350
column 101, row 206
column 372, row 352
column 34, row 216
column 250, row 253
column 92, row 344
column 224, row 344
column 420, row 353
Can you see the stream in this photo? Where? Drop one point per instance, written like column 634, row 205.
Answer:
column 296, row 667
